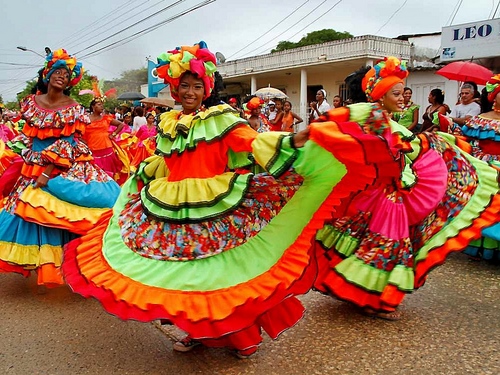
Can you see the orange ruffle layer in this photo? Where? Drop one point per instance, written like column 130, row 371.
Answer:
column 438, row 255
column 43, row 133
column 228, row 312
column 334, row 284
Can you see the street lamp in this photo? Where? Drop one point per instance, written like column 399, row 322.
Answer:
column 30, row 50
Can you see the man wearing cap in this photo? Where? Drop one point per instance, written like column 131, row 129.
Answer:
column 233, row 102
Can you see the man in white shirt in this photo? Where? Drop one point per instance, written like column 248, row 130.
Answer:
column 467, row 107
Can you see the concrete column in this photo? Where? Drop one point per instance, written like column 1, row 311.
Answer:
column 304, row 105
column 253, row 84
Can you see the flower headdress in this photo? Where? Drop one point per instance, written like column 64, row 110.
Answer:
column 493, row 87
column 61, row 59
column 96, row 92
column 385, row 74
column 196, row 59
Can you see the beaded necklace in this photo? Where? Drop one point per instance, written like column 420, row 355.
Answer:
column 194, row 113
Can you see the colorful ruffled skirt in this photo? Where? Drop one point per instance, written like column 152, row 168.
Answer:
column 114, row 161
column 485, row 143
column 226, row 277
column 394, row 234
column 35, row 224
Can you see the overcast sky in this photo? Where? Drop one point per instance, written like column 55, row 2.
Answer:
column 228, row 26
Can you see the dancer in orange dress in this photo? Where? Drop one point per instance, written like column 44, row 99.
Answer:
column 107, row 154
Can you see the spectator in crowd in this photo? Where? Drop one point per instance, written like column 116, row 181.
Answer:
column 257, row 120
column 436, row 100
column 139, row 119
column 467, row 107
column 319, row 106
column 233, row 102
column 337, row 101
column 277, row 121
column 409, row 116
column 290, row 119
column 270, row 110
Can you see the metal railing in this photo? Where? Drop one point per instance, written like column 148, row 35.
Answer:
column 367, row 46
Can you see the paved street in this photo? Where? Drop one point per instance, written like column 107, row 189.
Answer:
column 450, row 326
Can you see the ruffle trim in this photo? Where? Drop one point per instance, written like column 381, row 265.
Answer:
column 230, row 310
column 480, row 212
column 30, row 256
column 175, row 201
column 38, row 206
column 46, row 123
column 208, row 126
column 335, row 284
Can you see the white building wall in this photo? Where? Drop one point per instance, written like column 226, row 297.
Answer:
column 422, row 82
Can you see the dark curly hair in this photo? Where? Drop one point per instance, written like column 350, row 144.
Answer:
column 214, row 98
column 356, row 94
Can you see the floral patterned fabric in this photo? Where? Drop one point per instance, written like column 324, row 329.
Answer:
column 161, row 240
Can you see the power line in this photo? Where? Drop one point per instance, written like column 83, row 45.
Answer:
column 324, row 14
column 145, row 31
column 134, row 24
column 126, row 11
column 460, row 4
column 104, row 17
column 390, row 18
column 268, row 31
column 313, row 21
column 18, row 64
column 496, row 9
column 454, row 12
column 277, row 36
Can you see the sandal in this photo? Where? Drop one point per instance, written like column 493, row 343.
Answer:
column 186, row 344
column 389, row 315
column 386, row 315
column 244, row 354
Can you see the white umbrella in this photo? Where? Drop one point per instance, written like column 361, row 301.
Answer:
column 270, row 93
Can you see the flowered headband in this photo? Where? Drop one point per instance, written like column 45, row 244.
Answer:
column 196, row 59
column 493, row 87
column 96, row 92
column 385, row 74
column 61, row 59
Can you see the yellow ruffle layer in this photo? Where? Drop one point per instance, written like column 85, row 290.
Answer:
column 30, row 256
column 195, row 191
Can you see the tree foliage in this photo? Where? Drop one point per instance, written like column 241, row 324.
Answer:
column 314, row 37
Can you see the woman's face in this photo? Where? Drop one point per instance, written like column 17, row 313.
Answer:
column 59, row 78
column 431, row 99
column 255, row 111
column 279, row 105
column 407, row 96
column 191, row 91
column 336, row 102
column 287, row 107
column 319, row 96
column 150, row 119
column 98, row 107
column 393, row 100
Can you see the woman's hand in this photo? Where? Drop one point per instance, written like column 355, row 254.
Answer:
column 41, row 181
column 300, row 138
column 112, row 135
